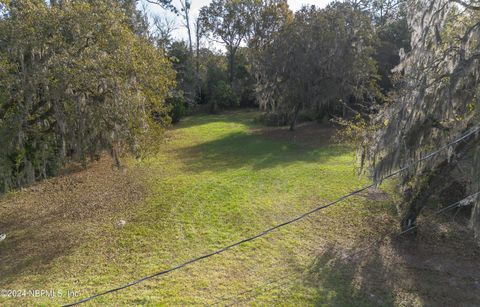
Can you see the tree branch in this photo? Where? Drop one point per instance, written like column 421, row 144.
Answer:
column 467, row 5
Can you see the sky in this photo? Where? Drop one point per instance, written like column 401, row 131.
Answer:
column 181, row 32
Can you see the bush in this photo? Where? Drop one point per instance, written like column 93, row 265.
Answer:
column 177, row 108
column 222, row 97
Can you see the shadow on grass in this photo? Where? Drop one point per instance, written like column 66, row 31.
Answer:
column 56, row 217
column 431, row 270
column 244, row 149
column 32, row 247
column 340, row 282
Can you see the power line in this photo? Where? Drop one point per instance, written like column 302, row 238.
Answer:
column 457, row 204
column 282, row 280
column 434, row 153
column 265, row 232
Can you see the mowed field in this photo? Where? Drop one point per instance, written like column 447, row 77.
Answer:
column 218, row 179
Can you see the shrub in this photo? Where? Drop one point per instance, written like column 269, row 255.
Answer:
column 222, row 97
column 177, row 108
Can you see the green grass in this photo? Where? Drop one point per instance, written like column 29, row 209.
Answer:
column 213, row 183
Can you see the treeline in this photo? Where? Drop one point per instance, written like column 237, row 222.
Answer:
column 314, row 63
column 401, row 75
column 76, row 78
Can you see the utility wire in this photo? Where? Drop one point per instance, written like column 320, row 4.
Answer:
column 280, row 281
column 265, row 232
column 457, row 204
column 277, row 281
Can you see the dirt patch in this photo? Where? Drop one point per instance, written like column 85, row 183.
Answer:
column 308, row 134
column 375, row 194
column 50, row 218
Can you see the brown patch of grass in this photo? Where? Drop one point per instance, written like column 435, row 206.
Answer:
column 50, row 218
column 375, row 194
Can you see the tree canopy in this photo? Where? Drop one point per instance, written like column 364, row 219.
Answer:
column 75, row 79
column 229, row 22
column 321, row 59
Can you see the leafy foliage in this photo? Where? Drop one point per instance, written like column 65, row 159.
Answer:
column 319, row 62
column 186, row 77
column 76, row 80
column 229, row 22
column 177, row 108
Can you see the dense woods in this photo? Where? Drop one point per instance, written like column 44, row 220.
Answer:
column 81, row 77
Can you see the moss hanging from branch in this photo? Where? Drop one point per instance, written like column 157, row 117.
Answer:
column 75, row 79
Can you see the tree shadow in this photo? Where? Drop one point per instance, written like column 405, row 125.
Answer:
column 431, row 270
column 56, row 217
column 340, row 282
column 31, row 247
column 241, row 149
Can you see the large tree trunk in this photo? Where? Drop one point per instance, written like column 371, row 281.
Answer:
column 435, row 180
column 476, row 220
column 186, row 16
column 231, row 64
column 295, row 116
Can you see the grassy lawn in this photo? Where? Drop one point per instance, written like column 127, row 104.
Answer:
column 215, row 181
